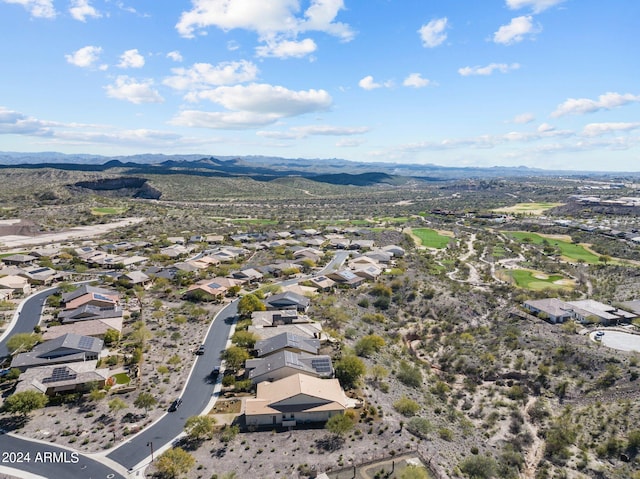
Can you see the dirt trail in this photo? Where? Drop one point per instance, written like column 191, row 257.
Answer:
column 536, row 452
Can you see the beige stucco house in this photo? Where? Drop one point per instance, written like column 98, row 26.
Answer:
column 294, row 400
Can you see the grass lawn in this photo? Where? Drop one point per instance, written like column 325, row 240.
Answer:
column 108, row 210
column 122, row 378
column 431, row 238
column 254, row 221
column 389, row 219
column 537, row 281
column 4, row 255
column 528, row 208
column 571, row 251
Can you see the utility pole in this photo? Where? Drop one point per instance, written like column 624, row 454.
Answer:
column 150, row 444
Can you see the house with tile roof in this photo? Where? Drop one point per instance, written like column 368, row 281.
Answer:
column 296, row 399
column 65, row 378
column 68, row 348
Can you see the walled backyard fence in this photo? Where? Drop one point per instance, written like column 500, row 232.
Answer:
column 387, row 466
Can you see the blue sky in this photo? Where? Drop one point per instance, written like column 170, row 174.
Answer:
column 540, row 83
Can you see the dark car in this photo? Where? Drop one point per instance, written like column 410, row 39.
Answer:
column 200, row 350
column 175, row 405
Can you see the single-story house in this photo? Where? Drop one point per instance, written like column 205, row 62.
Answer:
column 93, row 327
column 285, row 363
column 135, row 277
column 278, row 317
column 585, row 311
column 92, row 295
column 556, row 310
column 89, row 312
column 209, row 287
column 69, row 348
column 362, row 244
column 395, row 250
column 287, row 300
column 250, row 275
column 16, row 284
column 73, row 377
column 371, row 272
column 288, row 342
column 322, row 283
column 307, row 330
column 346, row 277
column 295, row 399
column 19, row 259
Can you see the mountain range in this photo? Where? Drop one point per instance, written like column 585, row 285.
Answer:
column 265, row 168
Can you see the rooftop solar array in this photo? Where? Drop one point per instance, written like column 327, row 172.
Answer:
column 60, row 374
column 86, row 342
column 321, row 365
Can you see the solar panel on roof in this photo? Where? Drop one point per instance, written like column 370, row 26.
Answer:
column 86, row 342
column 321, row 365
column 101, row 296
column 60, row 374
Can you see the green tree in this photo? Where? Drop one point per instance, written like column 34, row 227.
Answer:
column 141, row 334
column 244, row 339
column 199, row 427
column 420, row 427
column 175, row 462
column 349, row 370
column 414, row 472
column 97, row 394
column 24, row 402
column 406, row 406
column 339, row 425
column 378, row 372
column 235, row 357
column 250, row 303
column 368, row 345
column 145, row 401
column 409, row 375
column 479, row 467
column 22, row 342
column 116, row 405
column 111, row 337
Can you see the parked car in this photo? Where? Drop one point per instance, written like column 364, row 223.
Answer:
column 175, row 405
column 200, row 350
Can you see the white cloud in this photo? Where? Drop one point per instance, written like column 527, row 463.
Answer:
column 598, row 129
column 264, row 99
column 175, row 55
column 16, row 123
column 488, row 69
column 524, row 118
column 84, row 57
column 134, row 91
column 536, row 5
column 80, row 10
column 349, row 143
column 131, row 59
column 299, row 132
column 415, row 80
column 367, row 83
column 37, row 8
column 515, row 31
column 287, row 48
column 235, row 120
column 275, row 17
column 205, row 75
column 608, row 101
column 433, row 33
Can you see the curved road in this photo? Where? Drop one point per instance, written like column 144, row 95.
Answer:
column 135, row 453
column 26, row 318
